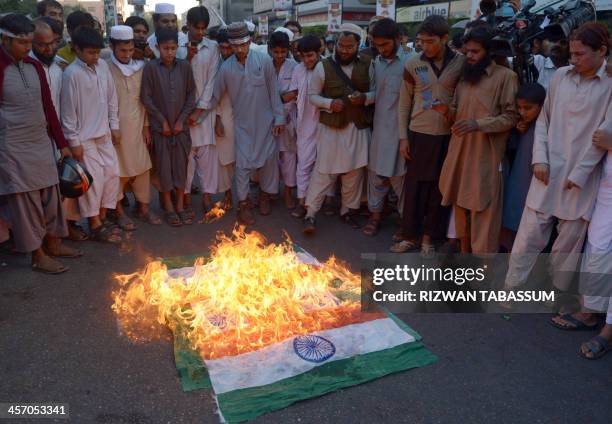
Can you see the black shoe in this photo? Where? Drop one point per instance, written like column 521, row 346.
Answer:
column 350, row 218
column 299, row 212
column 309, row 225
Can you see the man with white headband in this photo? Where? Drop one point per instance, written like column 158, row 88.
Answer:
column 250, row 81
column 132, row 152
column 28, row 174
column 165, row 17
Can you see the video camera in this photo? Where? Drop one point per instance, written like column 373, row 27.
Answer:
column 550, row 20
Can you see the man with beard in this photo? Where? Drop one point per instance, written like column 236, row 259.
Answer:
column 385, row 166
column 132, row 151
column 337, row 87
column 165, row 17
column 483, row 111
column 249, row 79
column 426, row 93
column 203, row 159
column 47, row 36
column 28, row 175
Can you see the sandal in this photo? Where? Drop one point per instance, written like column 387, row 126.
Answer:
column 116, row 229
column 63, row 251
column 46, row 265
column 76, row 232
column 598, row 346
column 404, row 246
column 106, row 233
column 397, row 237
column 350, row 219
column 149, row 218
column 125, row 223
column 173, row 219
column 428, row 251
column 189, row 211
column 577, row 325
column 372, row 227
column 186, row 218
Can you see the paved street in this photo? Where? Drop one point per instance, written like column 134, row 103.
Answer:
column 59, row 342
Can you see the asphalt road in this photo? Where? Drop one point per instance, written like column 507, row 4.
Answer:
column 59, row 342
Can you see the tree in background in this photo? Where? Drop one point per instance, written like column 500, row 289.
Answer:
column 26, row 7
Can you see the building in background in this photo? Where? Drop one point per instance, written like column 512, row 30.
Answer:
column 417, row 10
column 95, row 7
column 313, row 13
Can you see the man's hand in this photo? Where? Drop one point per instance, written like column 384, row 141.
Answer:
column 146, row 135
column 192, row 120
column 542, row 172
column 337, row 105
column 404, row 148
column 522, row 126
column 116, row 137
column 278, row 129
column 602, row 139
column 77, row 153
column 65, row 152
column 569, row 184
column 289, row 96
column 166, row 131
column 191, row 51
column 149, row 53
column 357, row 98
column 219, row 129
column 178, row 127
column 464, row 127
column 138, row 54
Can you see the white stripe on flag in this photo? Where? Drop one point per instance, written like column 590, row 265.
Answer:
column 280, row 360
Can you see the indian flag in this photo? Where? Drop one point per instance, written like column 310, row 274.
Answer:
column 301, row 367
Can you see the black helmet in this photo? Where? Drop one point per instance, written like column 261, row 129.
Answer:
column 74, row 180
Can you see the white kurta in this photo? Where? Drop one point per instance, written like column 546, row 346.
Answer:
column 287, row 138
column 54, row 78
column 338, row 150
column 204, row 66
column 181, row 52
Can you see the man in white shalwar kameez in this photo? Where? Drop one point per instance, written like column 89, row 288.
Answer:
column 203, row 159
column 250, row 81
column 344, row 128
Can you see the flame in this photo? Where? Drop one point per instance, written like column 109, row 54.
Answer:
column 214, row 214
column 249, row 294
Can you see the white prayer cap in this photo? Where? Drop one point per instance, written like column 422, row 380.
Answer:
column 122, row 32
column 286, row 31
column 351, row 28
column 250, row 26
column 164, row 8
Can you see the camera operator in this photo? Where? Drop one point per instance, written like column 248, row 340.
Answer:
column 141, row 32
column 554, row 55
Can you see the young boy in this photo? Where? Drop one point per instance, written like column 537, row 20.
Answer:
column 89, row 121
column 529, row 101
column 307, row 119
column 134, row 160
column 168, row 94
column 279, row 49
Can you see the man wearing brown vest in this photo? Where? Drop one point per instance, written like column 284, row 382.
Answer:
column 337, row 87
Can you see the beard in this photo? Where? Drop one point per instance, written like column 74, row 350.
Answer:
column 44, row 59
column 342, row 62
column 473, row 73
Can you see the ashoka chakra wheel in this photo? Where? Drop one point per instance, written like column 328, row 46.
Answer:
column 313, row 348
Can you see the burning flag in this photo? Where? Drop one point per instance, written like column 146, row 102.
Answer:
column 265, row 325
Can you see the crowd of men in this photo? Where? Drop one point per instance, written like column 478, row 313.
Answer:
column 475, row 161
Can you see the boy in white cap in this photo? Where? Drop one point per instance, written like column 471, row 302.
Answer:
column 250, row 81
column 165, row 17
column 132, row 152
column 89, row 120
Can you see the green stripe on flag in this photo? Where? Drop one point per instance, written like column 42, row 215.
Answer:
column 246, row 404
